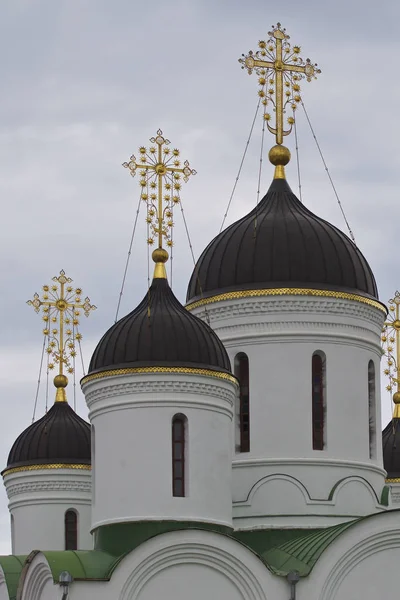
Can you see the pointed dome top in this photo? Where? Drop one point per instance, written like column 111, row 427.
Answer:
column 160, row 332
column 60, row 437
column 278, row 244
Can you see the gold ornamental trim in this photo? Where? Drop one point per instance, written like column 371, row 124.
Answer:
column 395, row 480
column 51, row 466
column 287, row 292
column 179, row 370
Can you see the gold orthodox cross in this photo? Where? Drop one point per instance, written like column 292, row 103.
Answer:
column 391, row 349
column 160, row 173
column 61, row 305
column 280, row 69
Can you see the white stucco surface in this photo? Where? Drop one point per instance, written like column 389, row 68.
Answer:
column 279, row 334
column 38, row 501
column 135, row 411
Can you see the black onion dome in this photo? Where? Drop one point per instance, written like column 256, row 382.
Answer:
column 391, row 449
column 160, row 332
column 60, row 437
column 281, row 244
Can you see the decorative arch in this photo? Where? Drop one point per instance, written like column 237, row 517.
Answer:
column 232, row 561
column 179, row 437
column 365, row 548
column 241, row 369
column 276, row 477
column 71, row 529
column 318, row 400
column 3, row 586
column 36, row 578
column 339, row 485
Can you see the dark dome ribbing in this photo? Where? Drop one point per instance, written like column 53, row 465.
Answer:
column 391, row 449
column 170, row 337
column 61, row 436
column 281, row 244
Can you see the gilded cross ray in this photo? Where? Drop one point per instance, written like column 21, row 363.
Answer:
column 61, row 305
column 279, row 68
column 160, row 172
column 391, row 349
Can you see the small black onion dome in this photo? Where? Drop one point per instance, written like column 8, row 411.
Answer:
column 60, row 437
column 160, row 332
column 281, row 244
column 391, row 449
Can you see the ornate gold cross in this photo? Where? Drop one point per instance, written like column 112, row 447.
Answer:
column 279, row 68
column 160, row 171
column 391, row 348
column 61, row 305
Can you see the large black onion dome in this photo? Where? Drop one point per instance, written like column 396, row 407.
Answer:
column 160, row 332
column 391, row 449
column 281, row 244
column 60, row 437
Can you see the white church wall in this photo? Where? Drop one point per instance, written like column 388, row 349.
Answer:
column 279, row 334
column 3, row 587
column 196, row 565
column 37, row 581
column 133, row 475
column 38, row 501
column 361, row 563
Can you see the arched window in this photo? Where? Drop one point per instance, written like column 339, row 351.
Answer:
column 372, row 409
column 12, row 534
column 93, row 458
column 179, row 451
column 242, row 373
column 71, row 530
column 318, row 400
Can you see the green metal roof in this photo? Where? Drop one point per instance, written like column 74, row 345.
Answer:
column 12, row 567
column 281, row 550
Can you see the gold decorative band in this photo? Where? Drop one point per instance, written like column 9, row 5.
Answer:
column 286, row 292
column 51, row 466
column 396, row 480
column 179, row 370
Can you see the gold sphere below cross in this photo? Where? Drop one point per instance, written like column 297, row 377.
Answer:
column 60, row 381
column 396, row 398
column 160, row 255
column 279, row 155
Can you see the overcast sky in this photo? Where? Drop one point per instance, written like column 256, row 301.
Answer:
column 86, row 82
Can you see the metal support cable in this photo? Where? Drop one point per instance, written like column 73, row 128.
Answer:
column 80, row 353
column 194, row 260
column 297, row 158
column 39, row 379
column 47, row 382
column 127, row 261
column 260, row 171
column 329, row 175
column 74, row 368
column 241, row 165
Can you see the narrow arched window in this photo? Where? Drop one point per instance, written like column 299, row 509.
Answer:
column 242, row 373
column 93, row 458
column 318, row 400
column 179, row 451
column 71, row 530
column 12, row 534
column 372, row 409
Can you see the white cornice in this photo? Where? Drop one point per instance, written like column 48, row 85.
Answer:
column 267, row 306
column 309, row 462
column 138, row 392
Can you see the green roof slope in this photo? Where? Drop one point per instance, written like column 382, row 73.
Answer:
column 12, row 567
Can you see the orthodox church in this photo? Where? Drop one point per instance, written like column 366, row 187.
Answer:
column 234, row 448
